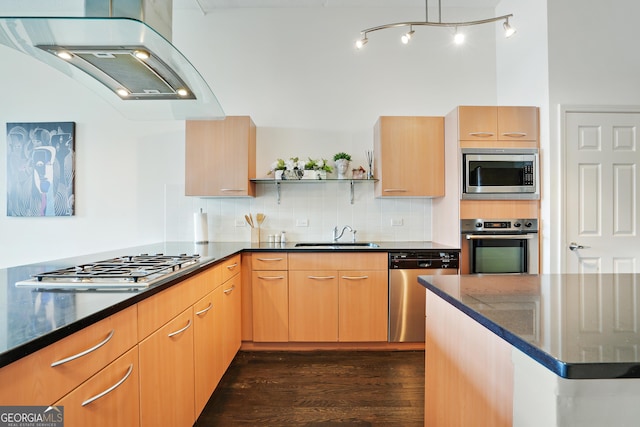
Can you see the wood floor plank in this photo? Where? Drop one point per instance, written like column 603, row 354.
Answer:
column 320, row 388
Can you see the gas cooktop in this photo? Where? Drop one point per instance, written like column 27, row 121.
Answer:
column 126, row 272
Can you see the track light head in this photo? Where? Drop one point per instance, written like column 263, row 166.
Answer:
column 406, row 38
column 360, row 43
column 458, row 38
column 508, row 29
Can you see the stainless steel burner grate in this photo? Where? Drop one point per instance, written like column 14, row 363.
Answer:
column 131, row 271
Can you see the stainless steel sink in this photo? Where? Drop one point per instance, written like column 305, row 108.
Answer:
column 337, row 245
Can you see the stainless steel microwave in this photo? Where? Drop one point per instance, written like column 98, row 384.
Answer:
column 500, row 173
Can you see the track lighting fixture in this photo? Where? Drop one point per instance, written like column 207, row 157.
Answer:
column 508, row 29
column 406, row 38
column 360, row 43
column 458, row 37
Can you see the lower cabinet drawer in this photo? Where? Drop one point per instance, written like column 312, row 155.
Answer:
column 109, row 398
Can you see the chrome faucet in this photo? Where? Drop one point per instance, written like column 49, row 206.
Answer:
column 336, row 236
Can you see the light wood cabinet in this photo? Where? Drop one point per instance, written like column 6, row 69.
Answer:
column 220, row 157
column 167, row 374
column 206, row 318
column 109, row 398
column 468, row 370
column 313, row 305
column 47, row 375
column 338, row 297
column 363, row 301
column 270, row 297
column 270, row 305
column 505, row 124
column 409, row 156
column 232, row 315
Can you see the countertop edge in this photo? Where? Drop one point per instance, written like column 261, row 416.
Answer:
column 22, row 350
column 567, row 370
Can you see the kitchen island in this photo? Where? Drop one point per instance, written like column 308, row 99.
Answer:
column 532, row 350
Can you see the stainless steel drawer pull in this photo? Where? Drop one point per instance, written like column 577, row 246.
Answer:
column 232, row 189
column 270, row 259
column 204, row 310
column 482, row 134
column 355, row 277
column 232, row 266
column 110, row 389
column 179, row 331
column 271, row 277
column 321, row 277
column 83, row 353
column 515, row 134
column 395, row 190
column 228, row 291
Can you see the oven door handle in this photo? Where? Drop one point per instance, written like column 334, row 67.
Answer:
column 499, row 236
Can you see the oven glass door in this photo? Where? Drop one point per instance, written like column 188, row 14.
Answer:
column 491, row 255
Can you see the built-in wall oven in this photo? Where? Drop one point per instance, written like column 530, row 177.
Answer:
column 500, row 246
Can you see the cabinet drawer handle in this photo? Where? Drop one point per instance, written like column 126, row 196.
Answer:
column 271, row 277
column 110, row 389
column 395, row 190
column 83, row 353
column 232, row 189
column 321, row 277
column 515, row 134
column 228, row 291
column 179, row 331
column 232, row 266
column 270, row 259
column 355, row 277
column 204, row 310
column 481, row 134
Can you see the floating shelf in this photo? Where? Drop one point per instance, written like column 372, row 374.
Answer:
column 278, row 182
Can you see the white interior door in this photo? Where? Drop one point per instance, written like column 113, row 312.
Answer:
column 601, row 211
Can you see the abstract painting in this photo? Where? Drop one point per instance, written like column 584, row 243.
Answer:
column 40, row 169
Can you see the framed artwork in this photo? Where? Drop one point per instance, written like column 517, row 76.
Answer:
column 40, row 169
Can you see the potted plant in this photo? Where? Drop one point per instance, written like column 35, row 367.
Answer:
column 316, row 169
column 342, row 161
column 277, row 168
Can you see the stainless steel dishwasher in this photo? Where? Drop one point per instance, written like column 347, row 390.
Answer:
column 407, row 296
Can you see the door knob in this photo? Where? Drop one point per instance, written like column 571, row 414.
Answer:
column 574, row 246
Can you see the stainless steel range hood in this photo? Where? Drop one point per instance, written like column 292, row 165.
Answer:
column 122, row 50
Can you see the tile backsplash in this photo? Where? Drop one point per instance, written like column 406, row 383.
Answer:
column 307, row 212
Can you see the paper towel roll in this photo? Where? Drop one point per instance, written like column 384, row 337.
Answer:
column 200, row 227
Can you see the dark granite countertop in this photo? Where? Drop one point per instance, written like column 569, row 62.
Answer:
column 33, row 319
column 580, row 326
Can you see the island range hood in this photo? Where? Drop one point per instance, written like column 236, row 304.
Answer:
column 122, row 50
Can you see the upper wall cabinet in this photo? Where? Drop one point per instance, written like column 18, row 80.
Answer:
column 498, row 124
column 220, row 157
column 409, row 156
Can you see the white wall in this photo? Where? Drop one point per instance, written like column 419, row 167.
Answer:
column 310, row 94
column 592, row 61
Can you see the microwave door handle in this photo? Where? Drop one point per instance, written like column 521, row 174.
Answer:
column 499, row 236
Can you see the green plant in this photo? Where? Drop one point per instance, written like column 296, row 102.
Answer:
column 316, row 165
column 342, row 155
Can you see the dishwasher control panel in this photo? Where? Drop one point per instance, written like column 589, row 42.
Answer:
column 424, row 260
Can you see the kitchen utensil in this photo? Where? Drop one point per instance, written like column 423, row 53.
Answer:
column 249, row 220
column 260, row 218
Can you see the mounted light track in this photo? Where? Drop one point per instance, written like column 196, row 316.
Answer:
column 459, row 37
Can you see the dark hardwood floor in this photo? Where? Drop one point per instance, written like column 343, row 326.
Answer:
column 320, row 388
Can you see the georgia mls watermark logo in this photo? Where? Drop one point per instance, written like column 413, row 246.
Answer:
column 31, row 416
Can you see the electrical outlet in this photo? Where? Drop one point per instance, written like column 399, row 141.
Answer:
column 240, row 222
column 302, row 222
column 396, row 222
